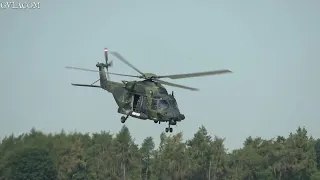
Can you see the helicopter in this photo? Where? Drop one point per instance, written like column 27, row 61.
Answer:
column 146, row 99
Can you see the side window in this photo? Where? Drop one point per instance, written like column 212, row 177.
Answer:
column 154, row 104
column 163, row 104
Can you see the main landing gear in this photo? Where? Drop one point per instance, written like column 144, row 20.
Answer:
column 169, row 128
column 171, row 122
column 123, row 119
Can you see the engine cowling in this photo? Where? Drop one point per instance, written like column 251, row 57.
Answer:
column 128, row 85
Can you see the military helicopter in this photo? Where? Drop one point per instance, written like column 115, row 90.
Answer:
column 145, row 99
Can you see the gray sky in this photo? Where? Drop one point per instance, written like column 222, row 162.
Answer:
column 271, row 46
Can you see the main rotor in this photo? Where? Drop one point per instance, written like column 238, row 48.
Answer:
column 150, row 76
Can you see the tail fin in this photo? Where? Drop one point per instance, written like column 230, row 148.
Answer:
column 102, row 75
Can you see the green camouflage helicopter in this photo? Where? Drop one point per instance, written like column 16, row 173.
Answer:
column 146, row 99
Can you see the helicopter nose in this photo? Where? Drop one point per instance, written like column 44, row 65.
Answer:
column 168, row 116
column 174, row 115
column 179, row 117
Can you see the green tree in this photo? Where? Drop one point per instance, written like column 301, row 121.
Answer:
column 105, row 156
column 146, row 151
column 315, row 176
column 317, row 149
column 127, row 158
column 200, row 154
column 300, row 158
column 101, row 156
column 218, row 160
column 32, row 164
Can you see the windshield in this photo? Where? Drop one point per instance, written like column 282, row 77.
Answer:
column 162, row 90
column 173, row 103
column 163, row 104
column 159, row 104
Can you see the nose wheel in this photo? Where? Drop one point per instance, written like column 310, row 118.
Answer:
column 123, row 119
column 169, row 129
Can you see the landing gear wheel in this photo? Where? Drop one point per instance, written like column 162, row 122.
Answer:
column 169, row 129
column 123, row 119
column 155, row 121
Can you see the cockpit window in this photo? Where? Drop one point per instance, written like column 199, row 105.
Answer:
column 173, row 103
column 159, row 104
column 163, row 104
column 162, row 90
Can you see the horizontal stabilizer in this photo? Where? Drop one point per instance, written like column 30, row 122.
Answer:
column 86, row 85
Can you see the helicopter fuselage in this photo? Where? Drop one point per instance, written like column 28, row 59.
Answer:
column 145, row 100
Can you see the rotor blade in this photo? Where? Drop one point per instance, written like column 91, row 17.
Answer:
column 198, row 74
column 86, row 85
column 175, row 85
column 117, row 74
column 95, row 82
column 127, row 75
column 116, row 54
column 82, row 69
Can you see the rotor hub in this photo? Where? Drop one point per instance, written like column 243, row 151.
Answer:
column 149, row 76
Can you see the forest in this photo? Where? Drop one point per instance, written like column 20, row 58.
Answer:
column 105, row 156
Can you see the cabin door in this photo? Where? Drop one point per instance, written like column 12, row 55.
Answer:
column 140, row 104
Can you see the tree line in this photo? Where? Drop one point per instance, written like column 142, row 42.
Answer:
column 105, row 156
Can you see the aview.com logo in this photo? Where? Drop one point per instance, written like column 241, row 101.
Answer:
column 19, row 5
